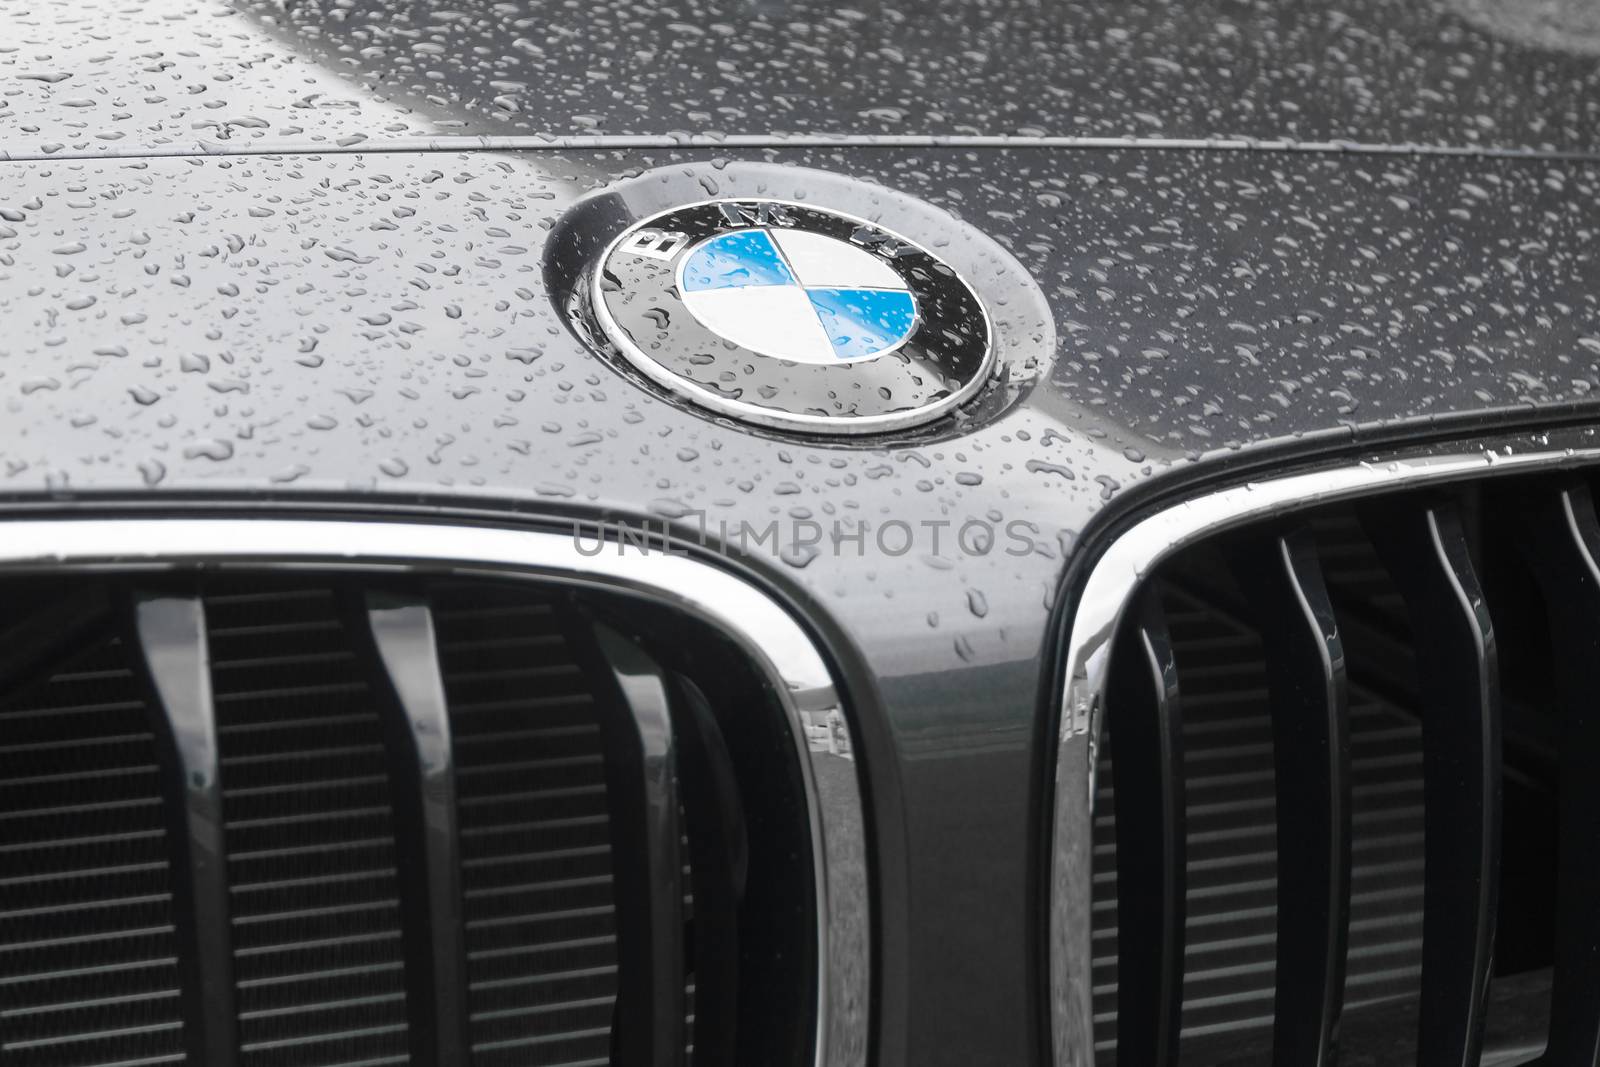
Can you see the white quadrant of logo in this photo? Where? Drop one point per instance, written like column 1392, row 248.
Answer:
column 799, row 296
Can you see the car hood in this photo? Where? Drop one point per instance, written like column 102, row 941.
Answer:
column 391, row 324
column 105, row 76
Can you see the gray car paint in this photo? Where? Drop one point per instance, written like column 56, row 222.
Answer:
column 99, row 76
column 365, row 329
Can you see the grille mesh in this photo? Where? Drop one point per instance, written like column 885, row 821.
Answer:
column 318, row 951
column 88, row 956
column 536, row 854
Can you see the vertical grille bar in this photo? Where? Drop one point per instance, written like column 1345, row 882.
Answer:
column 636, row 725
column 399, row 632
column 1424, row 548
column 174, row 663
column 1143, row 698
column 1282, row 577
column 1563, row 548
column 720, row 862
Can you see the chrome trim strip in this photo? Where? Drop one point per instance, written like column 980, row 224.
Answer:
column 1109, row 588
column 764, row 630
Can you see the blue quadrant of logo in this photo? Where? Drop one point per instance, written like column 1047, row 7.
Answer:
column 863, row 322
column 735, row 260
column 858, row 321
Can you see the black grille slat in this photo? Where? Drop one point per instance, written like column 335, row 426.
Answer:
column 636, row 726
column 1425, row 549
column 1281, row 578
column 1150, row 838
column 719, row 847
column 398, row 633
column 1563, row 549
column 168, row 634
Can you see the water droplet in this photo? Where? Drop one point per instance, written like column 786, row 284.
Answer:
column 214, row 449
column 1040, row 467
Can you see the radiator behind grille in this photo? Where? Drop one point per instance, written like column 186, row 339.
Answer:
column 1343, row 805
column 268, row 821
column 536, row 850
column 319, row 955
column 88, row 953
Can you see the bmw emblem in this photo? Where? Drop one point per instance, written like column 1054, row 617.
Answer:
column 792, row 316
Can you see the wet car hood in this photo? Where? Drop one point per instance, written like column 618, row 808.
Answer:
column 392, row 320
column 109, row 76
column 244, row 254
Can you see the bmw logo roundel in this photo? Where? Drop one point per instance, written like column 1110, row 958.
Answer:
column 793, row 316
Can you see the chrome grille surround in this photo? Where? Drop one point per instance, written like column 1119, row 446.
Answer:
column 763, row 629
column 1097, row 611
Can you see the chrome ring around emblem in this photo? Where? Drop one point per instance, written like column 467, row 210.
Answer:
column 792, row 316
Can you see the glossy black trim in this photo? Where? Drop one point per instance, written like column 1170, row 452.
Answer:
column 641, row 789
column 168, row 646
column 1144, row 712
column 1423, row 546
column 1282, row 579
column 396, row 633
column 719, row 865
column 32, row 647
column 1561, row 543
